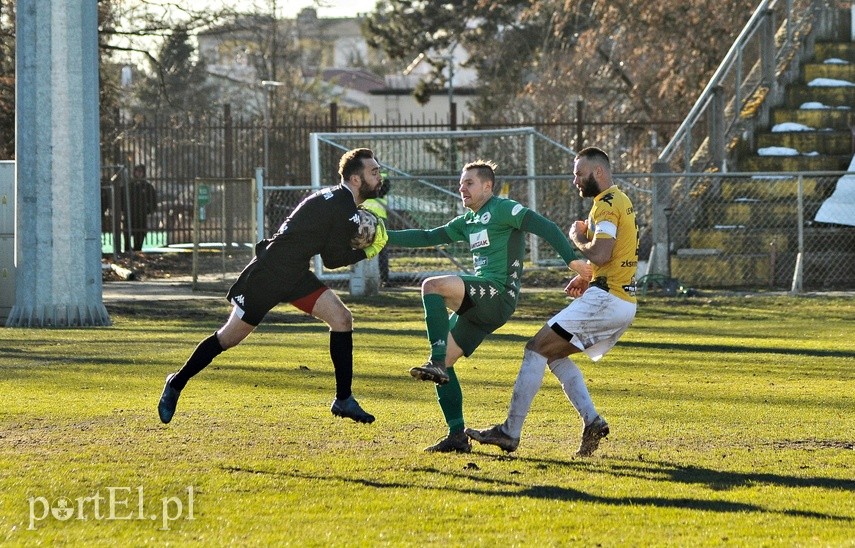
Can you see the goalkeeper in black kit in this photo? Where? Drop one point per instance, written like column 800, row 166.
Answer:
column 325, row 223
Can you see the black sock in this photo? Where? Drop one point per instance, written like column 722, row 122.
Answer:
column 341, row 352
column 203, row 355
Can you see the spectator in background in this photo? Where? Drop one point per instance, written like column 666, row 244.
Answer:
column 379, row 206
column 143, row 204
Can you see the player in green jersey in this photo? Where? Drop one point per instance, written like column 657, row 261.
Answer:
column 494, row 228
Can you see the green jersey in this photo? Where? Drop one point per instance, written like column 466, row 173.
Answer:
column 496, row 238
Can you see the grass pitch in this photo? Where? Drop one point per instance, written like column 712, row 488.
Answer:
column 733, row 423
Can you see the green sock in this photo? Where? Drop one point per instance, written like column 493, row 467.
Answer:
column 450, row 398
column 436, row 319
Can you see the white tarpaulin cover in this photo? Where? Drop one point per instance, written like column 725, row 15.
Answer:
column 839, row 208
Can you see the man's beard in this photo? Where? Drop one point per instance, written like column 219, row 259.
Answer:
column 365, row 190
column 589, row 187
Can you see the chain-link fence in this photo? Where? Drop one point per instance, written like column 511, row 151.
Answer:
column 753, row 230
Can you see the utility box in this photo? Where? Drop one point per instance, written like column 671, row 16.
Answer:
column 7, row 238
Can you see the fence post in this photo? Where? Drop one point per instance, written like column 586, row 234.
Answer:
column 333, row 117
column 259, row 204
column 717, row 124
column 767, row 49
column 228, row 173
column 531, row 171
column 660, row 256
column 798, row 273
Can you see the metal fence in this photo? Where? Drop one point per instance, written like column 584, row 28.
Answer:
column 732, row 231
column 722, row 230
column 176, row 151
column 747, row 230
column 762, row 61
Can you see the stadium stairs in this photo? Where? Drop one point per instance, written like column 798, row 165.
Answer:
column 765, row 255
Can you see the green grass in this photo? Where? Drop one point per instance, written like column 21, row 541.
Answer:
column 733, row 423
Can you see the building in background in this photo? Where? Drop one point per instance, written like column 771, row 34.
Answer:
column 331, row 53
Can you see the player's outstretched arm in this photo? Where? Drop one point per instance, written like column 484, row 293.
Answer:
column 419, row 238
column 539, row 225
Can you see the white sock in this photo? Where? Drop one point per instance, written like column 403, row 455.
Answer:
column 573, row 383
column 526, row 386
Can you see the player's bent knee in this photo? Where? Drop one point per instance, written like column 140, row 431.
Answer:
column 341, row 320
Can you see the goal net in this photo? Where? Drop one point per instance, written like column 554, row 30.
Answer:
column 424, row 171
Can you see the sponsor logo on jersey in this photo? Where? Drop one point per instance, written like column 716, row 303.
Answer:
column 608, row 198
column 516, row 210
column 327, row 194
column 479, row 262
column 478, row 240
column 485, row 218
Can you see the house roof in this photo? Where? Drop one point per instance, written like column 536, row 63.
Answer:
column 354, row 78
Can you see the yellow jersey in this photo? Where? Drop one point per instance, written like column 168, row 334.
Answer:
column 612, row 216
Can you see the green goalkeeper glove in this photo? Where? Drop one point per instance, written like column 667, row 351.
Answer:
column 380, row 239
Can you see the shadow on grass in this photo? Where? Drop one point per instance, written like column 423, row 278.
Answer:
column 717, row 480
column 738, row 349
column 515, row 489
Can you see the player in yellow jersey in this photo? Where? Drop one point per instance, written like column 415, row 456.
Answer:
column 602, row 309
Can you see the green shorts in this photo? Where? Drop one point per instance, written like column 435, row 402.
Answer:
column 493, row 306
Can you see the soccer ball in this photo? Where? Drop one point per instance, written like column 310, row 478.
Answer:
column 366, row 230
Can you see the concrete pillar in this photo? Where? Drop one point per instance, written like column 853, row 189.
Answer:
column 57, row 238
column 365, row 278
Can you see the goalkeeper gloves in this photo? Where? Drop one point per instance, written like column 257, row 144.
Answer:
column 380, row 239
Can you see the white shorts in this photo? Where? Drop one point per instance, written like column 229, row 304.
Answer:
column 596, row 320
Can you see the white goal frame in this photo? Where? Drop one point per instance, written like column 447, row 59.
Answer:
column 530, row 134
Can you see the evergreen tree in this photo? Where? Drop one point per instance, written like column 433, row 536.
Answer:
column 177, row 83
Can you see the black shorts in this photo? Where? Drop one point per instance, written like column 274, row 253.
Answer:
column 261, row 286
column 492, row 307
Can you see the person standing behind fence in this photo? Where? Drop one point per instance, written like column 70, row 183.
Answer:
column 603, row 307
column 143, row 204
column 494, row 228
column 379, row 206
column 322, row 224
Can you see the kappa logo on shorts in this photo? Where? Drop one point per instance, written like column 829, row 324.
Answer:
column 512, row 293
column 493, row 292
column 239, row 300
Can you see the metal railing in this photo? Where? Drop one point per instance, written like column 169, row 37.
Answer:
column 753, row 71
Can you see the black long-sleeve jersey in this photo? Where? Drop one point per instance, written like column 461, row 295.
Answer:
column 323, row 223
